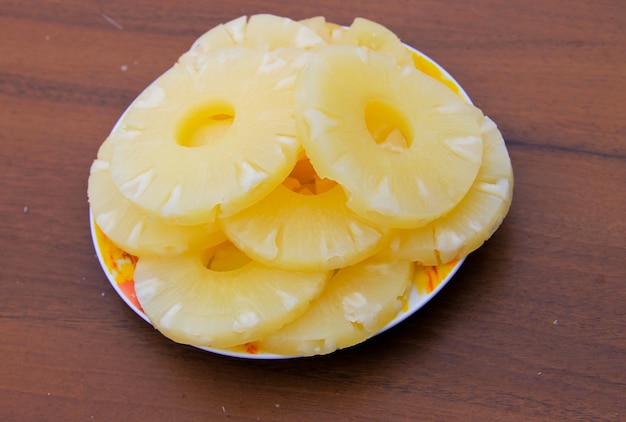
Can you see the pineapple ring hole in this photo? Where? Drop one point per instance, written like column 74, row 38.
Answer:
column 205, row 124
column 304, row 180
column 224, row 257
column 387, row 126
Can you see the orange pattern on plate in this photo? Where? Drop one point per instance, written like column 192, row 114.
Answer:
column 428, row 278
column 120, row 264
column 428, row 67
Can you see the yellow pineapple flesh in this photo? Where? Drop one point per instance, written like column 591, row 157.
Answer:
column 284, row 32
column 222, row 35
column 258, row 30
column 330, row 32
column 133, row 230
column 378, row 38
column 214, row 134
column 220, row 298
column 405, row 181
column 356, row 303
column 466, row 227
column 306, row 228
column 364, row 33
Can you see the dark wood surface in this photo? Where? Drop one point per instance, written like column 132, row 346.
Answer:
column 533, row 326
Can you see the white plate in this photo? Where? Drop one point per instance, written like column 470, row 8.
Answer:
column 119, row 265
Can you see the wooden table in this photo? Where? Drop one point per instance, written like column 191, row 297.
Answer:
column 533, row 326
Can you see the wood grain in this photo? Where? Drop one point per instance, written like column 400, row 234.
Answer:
column 533, row 327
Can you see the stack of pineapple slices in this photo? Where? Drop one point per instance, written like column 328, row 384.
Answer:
column 284, row 181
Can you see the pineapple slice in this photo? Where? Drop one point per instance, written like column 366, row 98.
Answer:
column 281, row 32
column 356, row 303
column 473, row 220
column 330, row 32
column 403, row 145
column 362, row 32
column 132, row 229
column 216, row 133
column 259, row 30
column 379, row 38
column 227, row 34
column 305, row 228
column 220, row 298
